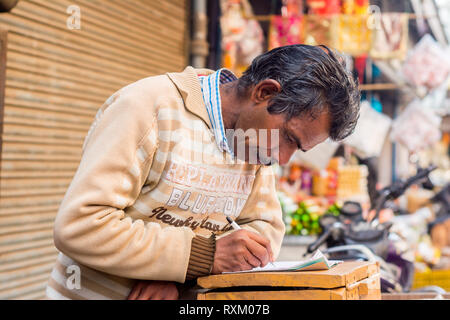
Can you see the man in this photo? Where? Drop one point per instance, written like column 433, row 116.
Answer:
column 162, row 167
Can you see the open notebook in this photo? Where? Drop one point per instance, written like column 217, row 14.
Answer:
column 317, row 262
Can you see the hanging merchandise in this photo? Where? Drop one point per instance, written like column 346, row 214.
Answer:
column 284, row 31
column 318, row 157
column 352, row 35
column 390, row 37
column 355, row 6
column 318, row 30
column 360, row 67
column 370, row 132
column 324, row 7
column 287, row 28
column 251, row 44
column 436, row 98
column 376, row 103
column 427, row 65
column 292, row 8
column 242, row 38
column 416, row 128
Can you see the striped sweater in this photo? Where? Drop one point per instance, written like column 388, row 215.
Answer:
column 151, row 194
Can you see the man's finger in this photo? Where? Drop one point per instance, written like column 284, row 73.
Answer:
column 171, row 293
column 174, row 295
column 244, row 265
column 135, row 291
column 165, row 293
column 155, row 296
column 160, row 292
column 258, row 238
column 263, row 241
column 258, row 251
column 147, row 292
column 252, row 260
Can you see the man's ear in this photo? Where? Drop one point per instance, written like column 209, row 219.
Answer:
column 265, row 90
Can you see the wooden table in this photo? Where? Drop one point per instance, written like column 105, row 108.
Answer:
column 351, row 280
column 414, row 296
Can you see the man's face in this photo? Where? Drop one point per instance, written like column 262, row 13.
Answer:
column 281, row 138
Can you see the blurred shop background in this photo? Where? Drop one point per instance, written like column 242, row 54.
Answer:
column 60, row 59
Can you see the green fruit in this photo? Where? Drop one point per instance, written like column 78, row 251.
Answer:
column 306, row 218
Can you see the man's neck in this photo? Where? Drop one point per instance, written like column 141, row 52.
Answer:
column 231, row 104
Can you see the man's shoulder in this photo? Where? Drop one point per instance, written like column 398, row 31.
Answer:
column 144, row 95
column 149, row 88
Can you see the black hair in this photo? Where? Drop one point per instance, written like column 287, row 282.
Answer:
column 312, row 79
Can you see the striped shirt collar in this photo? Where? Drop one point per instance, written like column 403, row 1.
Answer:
column 211, row 96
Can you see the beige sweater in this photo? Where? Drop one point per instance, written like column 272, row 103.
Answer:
column 151, row 190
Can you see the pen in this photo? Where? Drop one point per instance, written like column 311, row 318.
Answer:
column 237, row 227
column 233, row 224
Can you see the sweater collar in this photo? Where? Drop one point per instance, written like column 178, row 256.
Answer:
column 188, row 85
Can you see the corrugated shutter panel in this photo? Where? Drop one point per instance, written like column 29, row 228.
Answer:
column 56, row 79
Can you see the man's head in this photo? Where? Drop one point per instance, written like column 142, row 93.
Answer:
column 302, row 91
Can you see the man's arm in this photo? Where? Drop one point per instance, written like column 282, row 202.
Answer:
column 262, row 212
column 262, row 229
column 91, row 226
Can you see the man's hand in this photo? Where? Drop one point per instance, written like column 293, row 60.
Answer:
column 241, row 250
column 154, row 290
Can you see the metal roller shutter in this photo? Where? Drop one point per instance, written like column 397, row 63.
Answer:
column 56, row 79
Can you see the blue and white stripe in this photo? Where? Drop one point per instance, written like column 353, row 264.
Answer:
column 211, row 96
